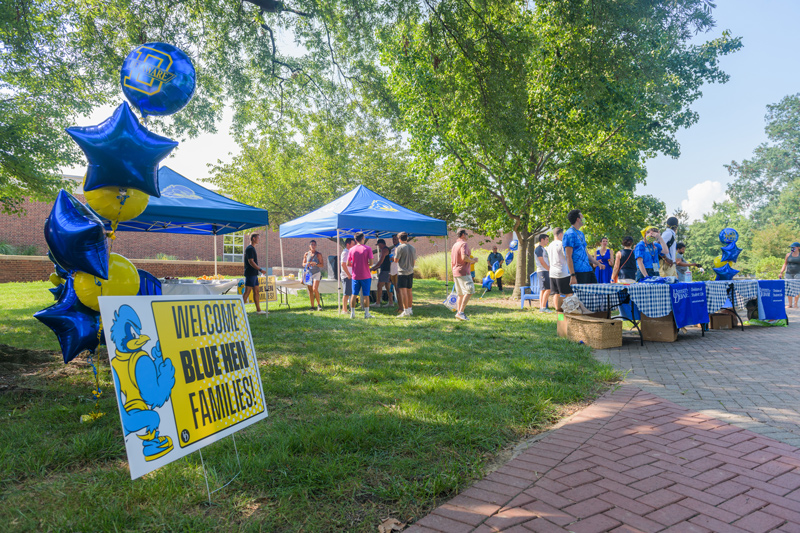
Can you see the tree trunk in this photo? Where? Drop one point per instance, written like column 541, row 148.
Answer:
column 523, row 276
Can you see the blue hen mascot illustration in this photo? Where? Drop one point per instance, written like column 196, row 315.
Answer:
column 145, row 381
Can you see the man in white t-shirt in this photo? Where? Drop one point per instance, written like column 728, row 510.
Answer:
column 559, row 269
column 346, row 276
column 670, row 236
column 543, row 271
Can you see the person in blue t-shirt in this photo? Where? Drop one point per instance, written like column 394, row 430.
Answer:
column 647, row 252
column 581, row 266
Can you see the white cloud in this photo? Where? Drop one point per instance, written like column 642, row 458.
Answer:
column 700, row 198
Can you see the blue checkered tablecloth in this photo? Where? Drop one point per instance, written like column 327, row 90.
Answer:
column 716, row 294
column 745, row 290
column 792, row 287
column 597, row 296
column 652, row 299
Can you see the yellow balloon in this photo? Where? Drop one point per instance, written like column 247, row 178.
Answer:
column 123, row 280
column 491, row 275
column 719, row 263
column 55, row 279
column 498, row 273
column 117, row 204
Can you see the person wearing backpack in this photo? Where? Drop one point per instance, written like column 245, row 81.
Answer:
column 670, row 237
column 625, row 264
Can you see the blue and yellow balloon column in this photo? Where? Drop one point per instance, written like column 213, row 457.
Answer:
column 122, row 174
column 723, row 264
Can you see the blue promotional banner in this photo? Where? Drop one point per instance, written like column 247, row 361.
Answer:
column 689, row 303
column 772, row 299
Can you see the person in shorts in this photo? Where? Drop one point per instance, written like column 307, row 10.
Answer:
column 581, row 265
column 312, row 262
column 393, row 264
column 791, row 269
column 384, row 266
column 405, row 256
column 543, row 271
column 460, row 262
column 347, row 277
column 559, row 271
column 251, row 270
column 358, row 260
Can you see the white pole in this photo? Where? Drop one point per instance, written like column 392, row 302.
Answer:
column 338, row 274
column 283, row 270
column 446, row 288
column 215, row 254
column 266, row 263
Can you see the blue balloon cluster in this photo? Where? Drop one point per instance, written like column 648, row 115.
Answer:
column 158, row 79
column 730, row 253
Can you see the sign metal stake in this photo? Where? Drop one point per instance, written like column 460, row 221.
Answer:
column 205, row 472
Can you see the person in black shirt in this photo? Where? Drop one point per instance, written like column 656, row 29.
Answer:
column 251, row 270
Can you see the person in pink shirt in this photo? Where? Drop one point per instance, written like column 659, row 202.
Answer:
column 460, row 262
column 359, row 259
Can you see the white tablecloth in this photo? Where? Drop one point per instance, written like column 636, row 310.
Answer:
column 293, row 286
column 215, row 287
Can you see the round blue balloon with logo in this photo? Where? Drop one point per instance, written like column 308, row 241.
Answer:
column 728, row 235
column 158, row 79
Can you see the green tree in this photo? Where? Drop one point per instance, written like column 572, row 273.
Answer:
column 768, row 184
column 535, row 109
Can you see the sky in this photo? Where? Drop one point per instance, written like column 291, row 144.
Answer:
column 731, row 120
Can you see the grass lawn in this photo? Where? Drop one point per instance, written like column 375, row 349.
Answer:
column 367, row 420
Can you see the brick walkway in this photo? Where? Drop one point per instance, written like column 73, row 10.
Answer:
column 749, row 378
column 635, row 462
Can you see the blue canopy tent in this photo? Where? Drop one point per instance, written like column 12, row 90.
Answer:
column 188, row 208
column 362, row 210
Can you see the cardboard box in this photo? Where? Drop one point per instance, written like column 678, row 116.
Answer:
column 659, row 329
column 721, row 321
column 599, row 333
column 562, row 324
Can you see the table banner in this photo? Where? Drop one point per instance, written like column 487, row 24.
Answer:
column 772, row 300
column 689, row 303
column 185, row 373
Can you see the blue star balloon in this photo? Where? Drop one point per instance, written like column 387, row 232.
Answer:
column 728, row 235
column 57, row 292
column 513, row 245
column 725, row 272
column 158, row 79
column 75, row 325
column 730, row 252
column 487, row 282
column 122, row 153
column 509, row 258
column 59, row 271
column 76, row 237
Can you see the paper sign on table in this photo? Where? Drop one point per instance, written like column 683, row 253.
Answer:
column 185, row 373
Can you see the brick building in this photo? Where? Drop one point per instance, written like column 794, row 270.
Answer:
column 28, row 229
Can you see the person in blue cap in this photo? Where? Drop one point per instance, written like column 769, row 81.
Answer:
column 791, row 268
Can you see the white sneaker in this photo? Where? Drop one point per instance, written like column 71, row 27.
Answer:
column 461, row 316
column 261, row 312
column 352, row 313
column 367, row 315
column 410, row 311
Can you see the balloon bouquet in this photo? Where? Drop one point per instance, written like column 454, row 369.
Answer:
column 723, row 264
column 158, row 79
column 497, row 270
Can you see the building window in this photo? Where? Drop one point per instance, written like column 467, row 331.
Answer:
column 233, row 247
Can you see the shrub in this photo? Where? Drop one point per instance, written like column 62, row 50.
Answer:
column 10, row 249
column 769, row 268
column 164, row 257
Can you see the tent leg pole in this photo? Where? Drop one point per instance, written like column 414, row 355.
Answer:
column 446, row 292
column 338, row 275
column 215, row 255
column 266, row 264
column 283, row 270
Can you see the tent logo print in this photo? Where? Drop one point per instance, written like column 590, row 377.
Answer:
column 379, row 205
column 179, row 191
